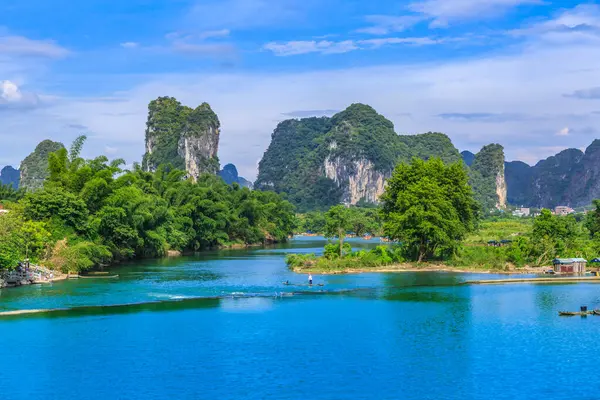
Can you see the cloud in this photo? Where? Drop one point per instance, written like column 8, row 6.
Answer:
column 206, row 49
column 11, row 97
column 310, row 46
column 221, row 33
column 310, row 113
column 385, row 24
column 78, row 127
column 564, row 131
column 328, row 47
column 484, row 117
column 130, row 45
column 443, row 12
column 576, row 25
column 20, row 46
column 586, row 94
column 513, row 97
column 203, row 44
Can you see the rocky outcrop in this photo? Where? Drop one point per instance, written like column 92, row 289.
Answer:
column 570, row 178
column 487, row 177
column 359, row 179
column 34, row 168
column 183, row 137
column 320, row 162
column 10, row 176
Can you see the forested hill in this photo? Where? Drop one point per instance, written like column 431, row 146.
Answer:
column 34, row 168
column 320, row 162
column 184, row 137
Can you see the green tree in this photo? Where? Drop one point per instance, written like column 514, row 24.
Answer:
column 429, row 207
column 337, row 222
column 554, row 235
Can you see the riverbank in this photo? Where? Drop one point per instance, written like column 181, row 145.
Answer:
column 407, row 267
column 30, row 276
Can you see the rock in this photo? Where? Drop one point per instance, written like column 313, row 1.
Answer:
column 34, row 168
column 183, row 137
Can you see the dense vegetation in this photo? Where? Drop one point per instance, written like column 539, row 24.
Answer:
column 358, row 222
column 486, row 167
column 429, row 211
column 295, row 159
column 169, row 122
column 429, row 207
column 92, row 212
column 34, row 168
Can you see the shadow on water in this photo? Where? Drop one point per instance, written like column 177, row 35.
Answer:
column 89, row 311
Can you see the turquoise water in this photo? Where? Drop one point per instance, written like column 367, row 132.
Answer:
column 222, row 326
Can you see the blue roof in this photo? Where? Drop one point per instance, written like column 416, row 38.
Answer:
column 568, row 260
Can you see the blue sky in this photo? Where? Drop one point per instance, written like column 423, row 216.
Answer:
column 523, row 73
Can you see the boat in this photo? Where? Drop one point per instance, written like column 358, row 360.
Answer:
column 571, row 313
column 299, row 284
column 580, row 313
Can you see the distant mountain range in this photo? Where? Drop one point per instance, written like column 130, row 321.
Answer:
column 323, row 161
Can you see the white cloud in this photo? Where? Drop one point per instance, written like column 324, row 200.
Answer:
column 442, row 12
column 10, row 92
column 385, row 24
column 20, row 46
column 564, row 132
column 130, row 45
column 310, row 46
column 345, row 46
column 526, row 81
column 221, row 33
column 11, row 97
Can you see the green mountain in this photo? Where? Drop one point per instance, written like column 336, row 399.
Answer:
column 487, row 177
column 34, row 168
column 570, row 178
column 320, row 162
column 185, row 137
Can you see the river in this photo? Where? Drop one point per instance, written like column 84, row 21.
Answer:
column 221, row 325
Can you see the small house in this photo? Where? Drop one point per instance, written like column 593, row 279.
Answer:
column 570, row 265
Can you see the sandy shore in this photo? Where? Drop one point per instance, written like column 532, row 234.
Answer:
column 424, row 268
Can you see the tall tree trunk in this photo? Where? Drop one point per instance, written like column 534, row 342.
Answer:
column 341, row 237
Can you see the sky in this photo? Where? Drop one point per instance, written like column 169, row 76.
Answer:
column 522, row 73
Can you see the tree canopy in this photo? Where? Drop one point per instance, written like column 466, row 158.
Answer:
column 95, row 212
column 429, row 207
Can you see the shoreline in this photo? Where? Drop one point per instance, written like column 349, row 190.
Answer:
column 399, row 268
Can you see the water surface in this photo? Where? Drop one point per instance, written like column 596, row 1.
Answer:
column 222, row 325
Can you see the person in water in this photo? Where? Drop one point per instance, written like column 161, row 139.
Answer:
column 309, row 279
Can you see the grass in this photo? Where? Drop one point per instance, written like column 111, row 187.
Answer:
column 499, row 230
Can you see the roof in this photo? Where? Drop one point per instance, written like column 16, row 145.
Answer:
column 596, row 260
column 568, row 260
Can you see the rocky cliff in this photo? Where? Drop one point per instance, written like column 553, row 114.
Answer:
column 181, row 136
column 570, row 178
column 487, row 177
column 34, row 168
column 10, row 176
column 320, row 162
